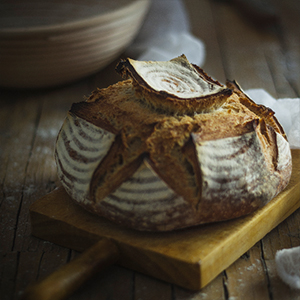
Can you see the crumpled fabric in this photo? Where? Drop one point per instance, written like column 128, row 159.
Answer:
column 288, row 266
column 287, row 112
column 165, row 34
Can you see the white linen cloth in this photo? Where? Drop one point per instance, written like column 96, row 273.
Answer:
column 166, row 34
column 287, row 111
column 288, row 266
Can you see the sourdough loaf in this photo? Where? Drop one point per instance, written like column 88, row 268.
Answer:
column 169, row 147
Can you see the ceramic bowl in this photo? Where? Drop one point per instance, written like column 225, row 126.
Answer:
column 50, row 43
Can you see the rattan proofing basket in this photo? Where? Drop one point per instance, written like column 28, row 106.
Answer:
column 49, row 43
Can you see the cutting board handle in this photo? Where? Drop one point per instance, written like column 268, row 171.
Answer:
column 66, row 280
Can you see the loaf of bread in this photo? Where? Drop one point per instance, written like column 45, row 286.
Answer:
column 169, row 147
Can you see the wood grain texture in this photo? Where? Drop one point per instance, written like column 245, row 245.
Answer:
column 30, row 120
column 66, row 280
column 190, row 258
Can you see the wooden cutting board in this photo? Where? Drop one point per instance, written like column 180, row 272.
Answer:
column 190, row 258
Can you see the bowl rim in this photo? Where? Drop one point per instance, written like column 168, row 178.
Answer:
column 59, row 28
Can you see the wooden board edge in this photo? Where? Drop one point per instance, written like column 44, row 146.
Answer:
column 179, row 272
column 202, row 272
column 292, row 194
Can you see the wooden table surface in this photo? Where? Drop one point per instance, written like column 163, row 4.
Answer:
column 267, row 58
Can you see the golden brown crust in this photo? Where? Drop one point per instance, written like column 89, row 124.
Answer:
column 117, row 166
column 195, row 165
column 171, row 103
column 260, row 110
column 115, row 107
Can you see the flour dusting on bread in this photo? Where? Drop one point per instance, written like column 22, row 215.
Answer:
column 169, row 147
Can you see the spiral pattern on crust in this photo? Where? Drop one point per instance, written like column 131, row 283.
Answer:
column 80, row 147
column 176, row 80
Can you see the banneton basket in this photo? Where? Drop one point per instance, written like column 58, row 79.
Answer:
column 49, row 43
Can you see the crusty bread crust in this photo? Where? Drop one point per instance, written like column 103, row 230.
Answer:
column 163, row 168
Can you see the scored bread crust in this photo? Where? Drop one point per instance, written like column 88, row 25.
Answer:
column 148, row 167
